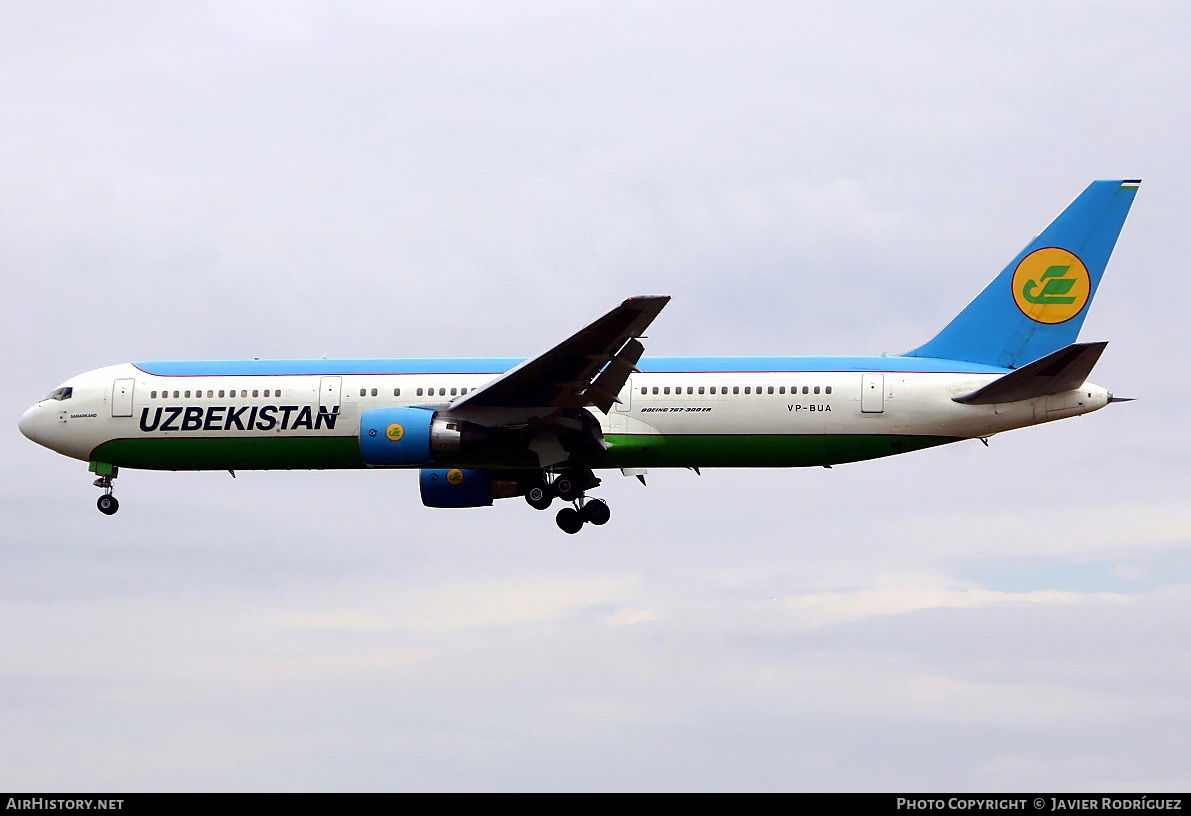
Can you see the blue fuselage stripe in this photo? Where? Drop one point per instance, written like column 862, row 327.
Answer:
column 499, row 365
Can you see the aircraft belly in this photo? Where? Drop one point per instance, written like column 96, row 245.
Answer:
column 232, row 453
column 753, row 450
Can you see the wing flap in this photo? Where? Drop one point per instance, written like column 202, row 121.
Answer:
column 604, row 389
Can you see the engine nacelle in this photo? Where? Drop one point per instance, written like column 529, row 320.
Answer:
column 396, row 436
column 455, row 488
column 459, row 487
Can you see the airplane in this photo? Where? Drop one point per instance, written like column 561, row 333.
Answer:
column 482, row 429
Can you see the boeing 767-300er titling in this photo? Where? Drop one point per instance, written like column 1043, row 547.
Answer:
column 484, row 429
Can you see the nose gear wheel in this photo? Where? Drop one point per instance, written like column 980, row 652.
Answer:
column 107, row 503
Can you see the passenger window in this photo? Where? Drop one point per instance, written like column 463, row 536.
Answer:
column 187, row 395
column 363, row 392
column 748, row 390
column 700, row 389
column 713, row 389
column 816, row 389
column 210, row 394
column 736, row 389
column 829, row 389
column 153, row 395
column 396, row 392
column 256, row 392
column 666, row 390
column 655, row 389
column 805, row 390
column 374, row 392
column 781, row 389
column 691, row 390
column 454, row 392
column 419, row 392
column 770, row 390
column 644, row 390
column 442, row 392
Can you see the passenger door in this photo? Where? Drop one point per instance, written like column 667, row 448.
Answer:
column 328, row 392
column 122, row 398
column 872, row 393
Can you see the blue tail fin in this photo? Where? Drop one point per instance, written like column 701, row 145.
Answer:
column 1039, row 301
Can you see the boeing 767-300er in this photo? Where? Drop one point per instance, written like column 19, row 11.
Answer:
column 481, row 429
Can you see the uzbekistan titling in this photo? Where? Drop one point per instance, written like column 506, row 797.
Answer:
column 243, row 418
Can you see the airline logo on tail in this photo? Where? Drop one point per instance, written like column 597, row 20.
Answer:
column 1051, row 285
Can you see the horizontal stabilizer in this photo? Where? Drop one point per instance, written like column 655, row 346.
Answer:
column 1062, row 370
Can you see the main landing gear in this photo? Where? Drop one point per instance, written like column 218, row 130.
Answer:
column 570, row 486
column 107, row 503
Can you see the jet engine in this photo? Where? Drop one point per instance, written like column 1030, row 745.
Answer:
column 397, row 437
column 464, row 488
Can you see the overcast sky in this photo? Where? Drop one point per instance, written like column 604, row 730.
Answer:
column 229, row 180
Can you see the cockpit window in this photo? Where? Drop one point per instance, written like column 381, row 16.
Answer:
column 61, row 393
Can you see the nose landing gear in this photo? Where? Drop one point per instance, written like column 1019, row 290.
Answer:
column 106, row 503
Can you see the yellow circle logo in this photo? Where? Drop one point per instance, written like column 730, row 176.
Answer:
column 395, row 432
column 1051, row 285
column 455, row 476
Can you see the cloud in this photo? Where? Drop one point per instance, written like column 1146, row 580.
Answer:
column 416, row 180
column 836, row 607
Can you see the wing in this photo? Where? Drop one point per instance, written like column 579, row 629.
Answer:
column 588, row 368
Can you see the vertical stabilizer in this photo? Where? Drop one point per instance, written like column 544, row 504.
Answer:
column 1039, row 301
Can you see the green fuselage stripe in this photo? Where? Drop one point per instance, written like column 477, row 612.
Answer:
column 758, row 450
column 627, row 450
column 228, row 453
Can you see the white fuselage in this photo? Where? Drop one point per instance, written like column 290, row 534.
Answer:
column 124, row 402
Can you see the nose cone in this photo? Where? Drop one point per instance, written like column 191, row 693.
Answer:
column 28, row 423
